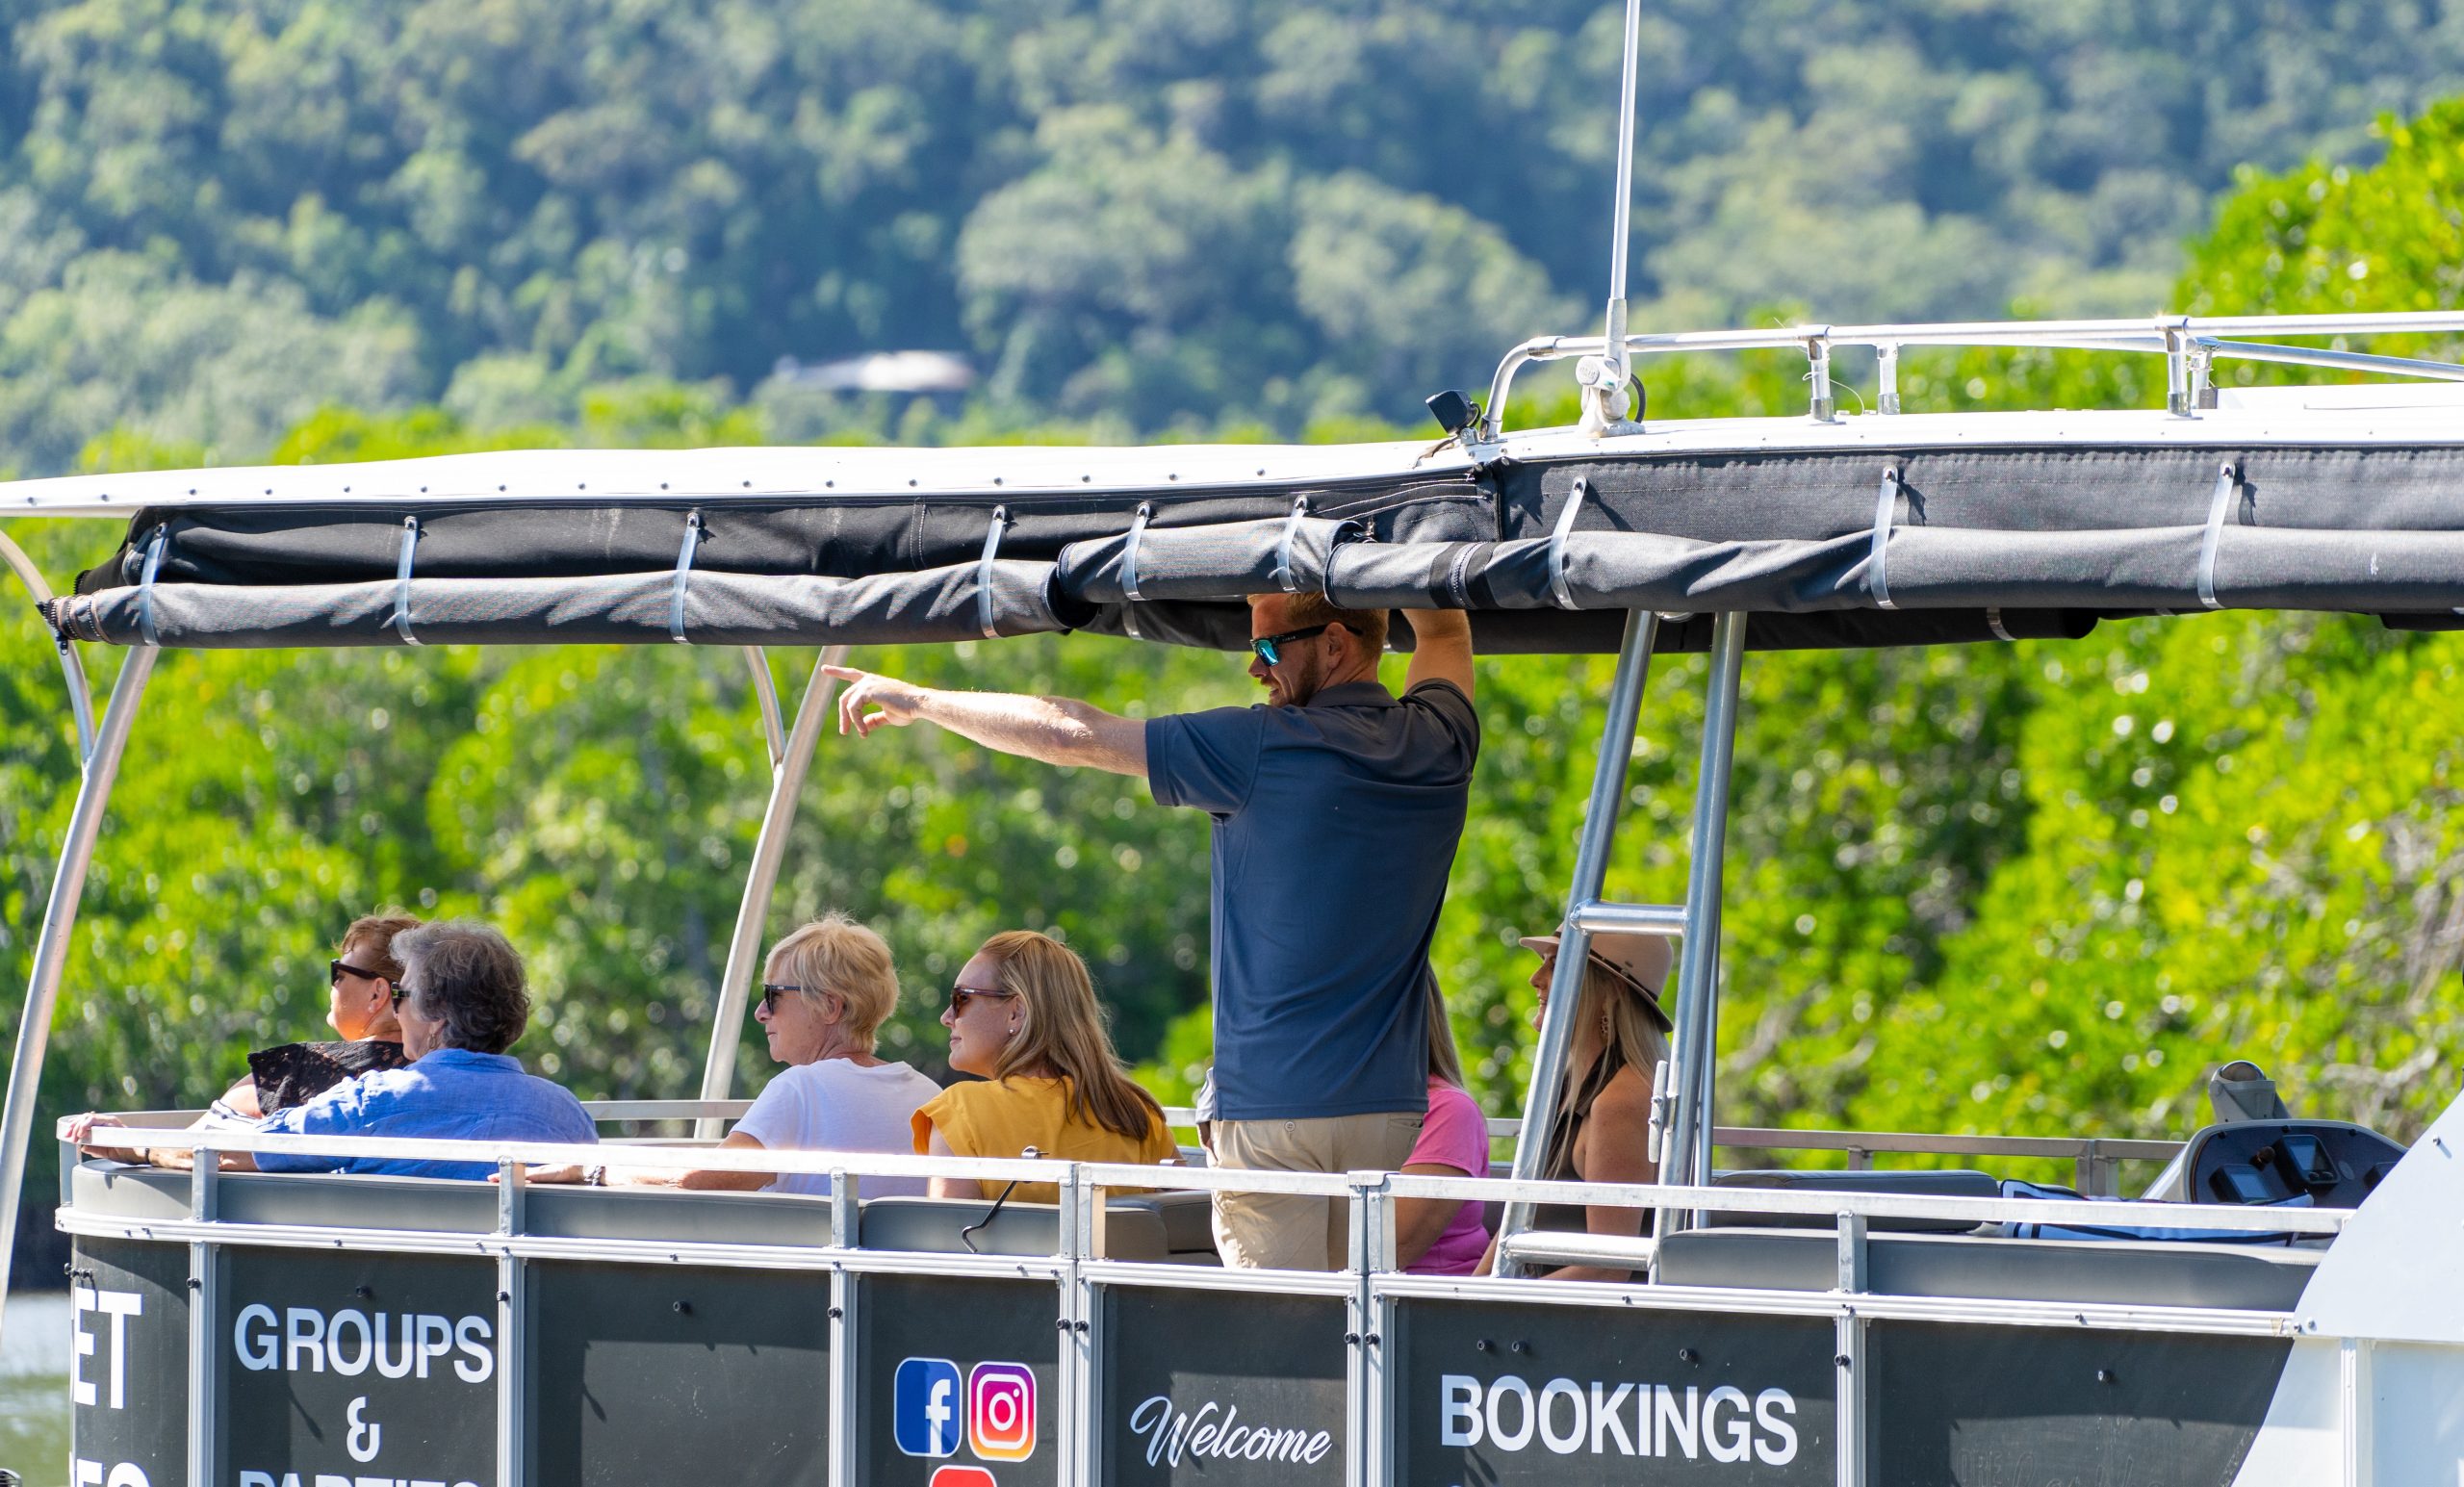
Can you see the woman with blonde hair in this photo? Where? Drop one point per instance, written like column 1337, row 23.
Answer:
column 1024, row 1018
column 825, row 990
column 1600, row 1132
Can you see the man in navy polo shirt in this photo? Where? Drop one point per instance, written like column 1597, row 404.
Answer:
column 1337, row 809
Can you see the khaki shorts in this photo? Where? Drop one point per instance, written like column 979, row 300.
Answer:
column 1283, row 1232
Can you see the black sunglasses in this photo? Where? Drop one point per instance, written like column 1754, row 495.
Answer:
column 335, row 970
column 959, row 996
column 1267, row 647
column 770, row 994
column 399, row 991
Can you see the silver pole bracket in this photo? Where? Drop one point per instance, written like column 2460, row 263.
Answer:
column 684, row 573
column 1822, row 407
column 2228, row 480
column 1558, row 542
column 984, row 617
column 2175, row 329
column 402, row 581
column 1885, row 512
column 1129, row 567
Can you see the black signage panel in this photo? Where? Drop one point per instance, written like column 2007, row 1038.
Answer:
column 642, row 1373
column 958, row 1382
column 1500, row 1392
column 1984, row 1406
column 356, row 1364
column 1223, row 1387
column 128, row 1362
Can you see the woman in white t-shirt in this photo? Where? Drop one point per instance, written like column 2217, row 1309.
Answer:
column 826, row 990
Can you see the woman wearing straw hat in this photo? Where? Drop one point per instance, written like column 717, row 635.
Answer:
column 1601, row 1130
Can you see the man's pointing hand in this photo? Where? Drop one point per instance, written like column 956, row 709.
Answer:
column 893, row 702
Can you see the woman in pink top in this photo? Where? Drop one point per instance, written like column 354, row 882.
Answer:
column 1443, row 1236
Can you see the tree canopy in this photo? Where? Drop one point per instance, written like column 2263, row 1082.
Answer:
column 2032, row 889
column 216, row 215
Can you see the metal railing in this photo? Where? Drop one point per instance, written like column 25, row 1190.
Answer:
column 1094, row 1176
column 1369, row 1286
column 2190, row 345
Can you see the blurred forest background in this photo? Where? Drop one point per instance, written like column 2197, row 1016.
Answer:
column 2033, row 889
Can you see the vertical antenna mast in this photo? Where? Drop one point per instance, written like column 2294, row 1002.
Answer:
column 1605, row 377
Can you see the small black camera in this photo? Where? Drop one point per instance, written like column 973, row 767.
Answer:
column 1454, row 411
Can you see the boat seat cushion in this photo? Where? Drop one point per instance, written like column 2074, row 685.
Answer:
column 1935, row 1265
column 1955, row 1184
column 1133, row 1228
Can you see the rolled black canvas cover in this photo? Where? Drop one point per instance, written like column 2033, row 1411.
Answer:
column 1977, row 541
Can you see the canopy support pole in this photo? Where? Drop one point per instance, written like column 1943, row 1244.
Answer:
column 51, row 949
column 1688, row 1156
column 73, row 666
column 1591, row 870
column 765, row 693
column 1606, row 400
column 744, row 949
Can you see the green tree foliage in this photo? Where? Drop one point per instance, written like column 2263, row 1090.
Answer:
column 2031, row 888
column 217, row 214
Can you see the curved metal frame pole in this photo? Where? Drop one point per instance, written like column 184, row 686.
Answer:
column 73, row 666
column 51, row 949
column 1591, row 870
column 1698, row 1021
column 766, row 692
column 744, row 948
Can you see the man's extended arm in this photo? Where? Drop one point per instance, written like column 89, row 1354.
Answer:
column 1055, row 729
column 1440, row 649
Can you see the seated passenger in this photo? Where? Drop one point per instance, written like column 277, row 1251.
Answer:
column 826, row 990
column 462, row 1004
column 1443, row 1236
column 1023, row 1016
column 362, row 977
column 1602, row 1129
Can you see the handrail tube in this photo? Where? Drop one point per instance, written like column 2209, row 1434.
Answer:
column 51, row 949
column 2146, row 335
column 1599, row 918
column 73, row 666
column 2340, row 361
column 1686, row 1157
column 1550, row 1050
column 1731, row 1138
column 1809, row 1203
column 753, row 914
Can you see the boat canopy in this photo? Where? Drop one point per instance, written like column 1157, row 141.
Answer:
column 1853, row 531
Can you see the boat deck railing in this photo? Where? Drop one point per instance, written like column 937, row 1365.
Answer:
column 1081, row 1184
column 2190, row 344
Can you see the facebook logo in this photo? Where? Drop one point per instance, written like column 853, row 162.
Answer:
column 926, row 1413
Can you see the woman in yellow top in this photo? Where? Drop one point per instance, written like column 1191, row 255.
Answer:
column 1023, row 1016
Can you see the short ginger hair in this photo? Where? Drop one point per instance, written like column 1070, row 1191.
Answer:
column 1308, row 609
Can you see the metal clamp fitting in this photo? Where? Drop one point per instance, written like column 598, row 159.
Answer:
column 984, row 574
column 1129, row 567
column 1283, row 551
column 2228, row 480
column 1558, row 542
column 1886, row 511
column 146, row 584
column 402, row 582
column 683, row 572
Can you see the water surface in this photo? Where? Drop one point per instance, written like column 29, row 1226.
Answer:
column 34, row 1388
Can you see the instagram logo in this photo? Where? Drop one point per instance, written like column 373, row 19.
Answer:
column 1001, row 1411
